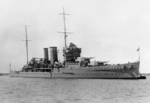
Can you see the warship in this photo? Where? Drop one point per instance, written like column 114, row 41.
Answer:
column 74, row 66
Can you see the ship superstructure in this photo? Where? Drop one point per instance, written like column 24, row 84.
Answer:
column 75, row 66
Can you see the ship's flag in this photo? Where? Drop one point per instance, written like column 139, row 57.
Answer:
column 10, row 66
column 138, row 49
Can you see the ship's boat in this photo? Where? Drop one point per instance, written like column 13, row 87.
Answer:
column 76, row 67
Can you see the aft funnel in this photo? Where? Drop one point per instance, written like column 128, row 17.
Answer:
column 46, row 54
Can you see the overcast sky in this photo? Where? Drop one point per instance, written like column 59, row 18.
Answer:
column 109, row 30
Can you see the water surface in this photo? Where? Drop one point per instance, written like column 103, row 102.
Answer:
column 40, row 90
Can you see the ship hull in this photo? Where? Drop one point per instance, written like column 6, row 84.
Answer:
column 122, row 71
column 55, row 76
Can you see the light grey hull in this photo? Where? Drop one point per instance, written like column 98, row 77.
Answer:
column 102, row 72
column 75, row 76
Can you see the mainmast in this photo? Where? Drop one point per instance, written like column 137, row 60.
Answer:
column 65, row 33
column 26, row 40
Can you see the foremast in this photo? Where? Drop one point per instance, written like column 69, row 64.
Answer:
column 71, row 52
column 65, row 33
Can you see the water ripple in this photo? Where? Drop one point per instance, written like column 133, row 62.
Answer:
column 39, row 90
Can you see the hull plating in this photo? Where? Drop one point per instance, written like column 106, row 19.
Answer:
column 122, row 71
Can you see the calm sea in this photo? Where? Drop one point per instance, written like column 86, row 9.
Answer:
column 40, row 90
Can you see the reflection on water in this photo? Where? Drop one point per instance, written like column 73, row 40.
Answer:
column 40, row 90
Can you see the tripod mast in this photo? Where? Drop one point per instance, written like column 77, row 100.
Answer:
column 65, row 33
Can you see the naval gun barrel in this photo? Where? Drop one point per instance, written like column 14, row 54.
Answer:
column 89, row 57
